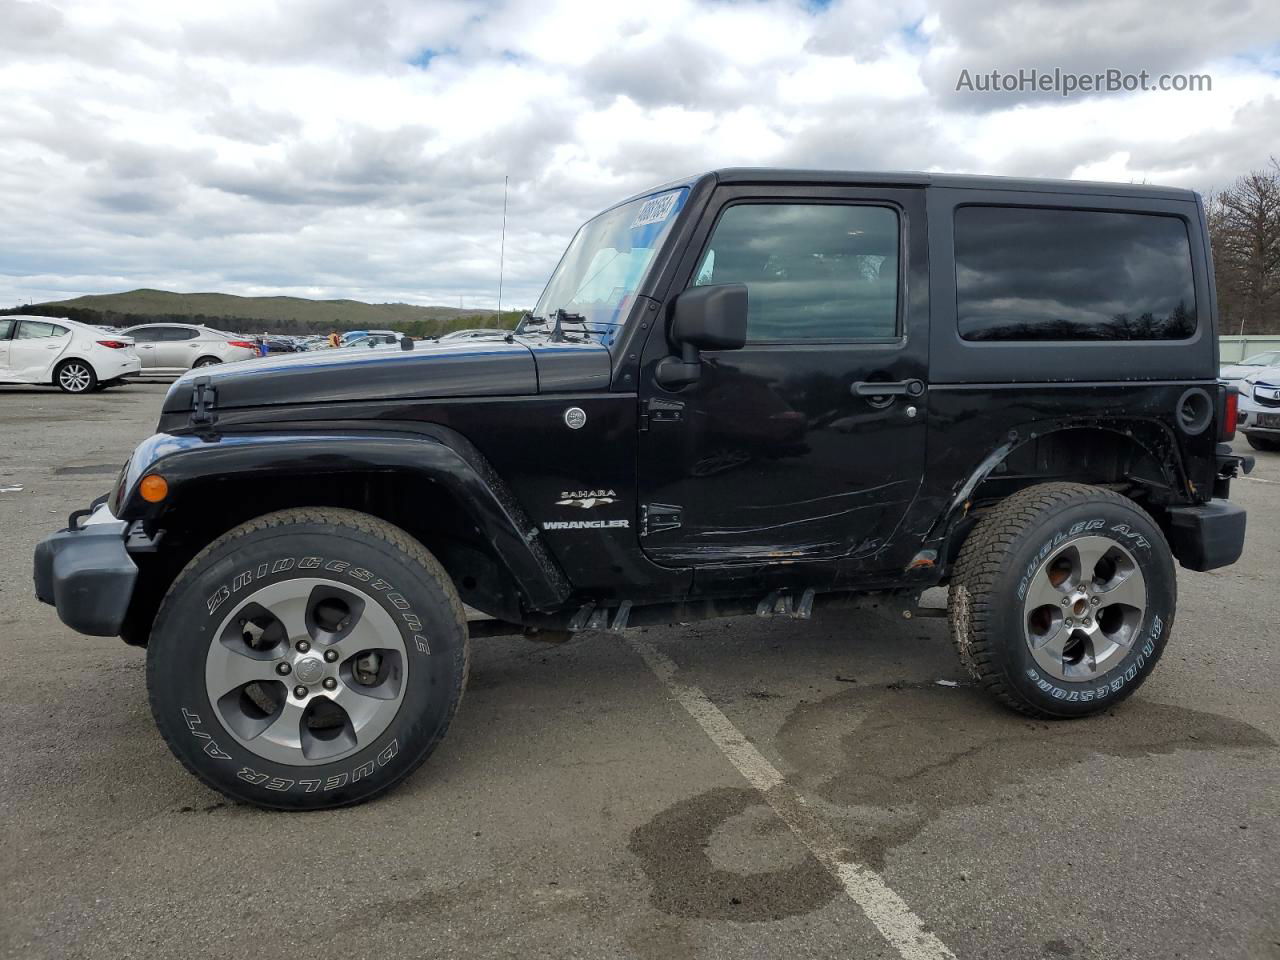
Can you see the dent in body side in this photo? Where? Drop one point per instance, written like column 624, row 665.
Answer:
column 966, row 423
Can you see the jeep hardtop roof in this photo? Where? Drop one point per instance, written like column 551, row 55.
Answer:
column 956, row 181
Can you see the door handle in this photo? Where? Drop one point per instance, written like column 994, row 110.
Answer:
column 899, row 388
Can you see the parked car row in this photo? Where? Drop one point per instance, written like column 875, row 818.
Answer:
column 1257, row 378
column 80, row 357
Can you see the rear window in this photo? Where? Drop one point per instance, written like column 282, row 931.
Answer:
column 1028, row 273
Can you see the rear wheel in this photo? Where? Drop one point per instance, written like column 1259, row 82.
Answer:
column 307, row 659
column 1262, row 443
column 1062, row 599
column 75, row 376
column 206, row 362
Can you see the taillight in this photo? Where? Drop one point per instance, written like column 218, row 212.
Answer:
column 243, row 343
column 113, row 344
column 1230, row 411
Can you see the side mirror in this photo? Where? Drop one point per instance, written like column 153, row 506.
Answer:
column 713, row 317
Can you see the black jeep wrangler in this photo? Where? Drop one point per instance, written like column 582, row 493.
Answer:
column 752, row 392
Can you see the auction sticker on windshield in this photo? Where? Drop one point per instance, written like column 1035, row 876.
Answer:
column 656, row 209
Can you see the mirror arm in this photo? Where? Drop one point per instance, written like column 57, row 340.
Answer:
column 674, row 374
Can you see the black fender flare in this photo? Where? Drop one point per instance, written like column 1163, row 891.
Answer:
column 441, row 455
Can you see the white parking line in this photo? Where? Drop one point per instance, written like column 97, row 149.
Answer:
column 889, row 912
column 1259, row 479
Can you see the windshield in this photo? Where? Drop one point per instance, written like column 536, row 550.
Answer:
column 1260, row 360
column 608, row 258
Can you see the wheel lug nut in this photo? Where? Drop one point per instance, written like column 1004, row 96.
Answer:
column 1066, row 601
column 300, row 691
column 303, row 646
column 1069, row 622
column 331, row 655
column 283, row 669
column 330, row 683
column 1094, row 601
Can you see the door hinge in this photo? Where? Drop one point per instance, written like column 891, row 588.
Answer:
column 657, row 517
column 661, row 411
column 204, row 400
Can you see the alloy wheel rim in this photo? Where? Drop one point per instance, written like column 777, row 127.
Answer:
column 74, row 378
column 306, row 671
column 1083, row 608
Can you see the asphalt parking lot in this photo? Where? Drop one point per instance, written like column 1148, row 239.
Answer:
column 577, row 808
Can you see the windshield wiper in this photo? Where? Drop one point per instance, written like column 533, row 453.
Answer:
column 561, row 317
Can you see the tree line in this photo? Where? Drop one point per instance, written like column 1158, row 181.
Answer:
column 1244, row 227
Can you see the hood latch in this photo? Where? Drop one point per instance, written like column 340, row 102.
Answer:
column 204, row 400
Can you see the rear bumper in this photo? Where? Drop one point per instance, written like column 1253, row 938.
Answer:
column 87, row 574
column 114, row 367
column 1208, row 535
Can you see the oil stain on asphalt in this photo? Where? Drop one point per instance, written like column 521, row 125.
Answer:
column 896, row 758
column 906, row 754
column 674, row 849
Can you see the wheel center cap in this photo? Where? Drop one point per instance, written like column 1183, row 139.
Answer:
column 309, row 670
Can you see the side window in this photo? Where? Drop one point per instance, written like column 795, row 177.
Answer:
column 814, row 271
column 6, row 328
column 180, row 333
column 38, row 330
column 1027, row 273
column 143, row 335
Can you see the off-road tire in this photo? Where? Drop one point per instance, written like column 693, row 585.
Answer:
column 1262, row 443
column 357, row 552
column 986, row 611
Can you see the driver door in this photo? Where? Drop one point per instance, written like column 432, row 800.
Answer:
column 784, row 450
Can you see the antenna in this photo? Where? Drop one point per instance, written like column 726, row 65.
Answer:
column 502, row 245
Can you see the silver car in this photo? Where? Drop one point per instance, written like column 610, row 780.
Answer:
column 177, row 347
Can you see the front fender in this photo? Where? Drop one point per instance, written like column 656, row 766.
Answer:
column 445, row 458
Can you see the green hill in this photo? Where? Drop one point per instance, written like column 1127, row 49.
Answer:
column 273, row 314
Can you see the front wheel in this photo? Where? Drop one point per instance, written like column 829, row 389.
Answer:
column 1062, row 599
column 307, row 659
column 75, row 376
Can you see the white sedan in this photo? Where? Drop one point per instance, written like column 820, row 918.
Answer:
column 72, row 356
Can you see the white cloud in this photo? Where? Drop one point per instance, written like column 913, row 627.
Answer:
column 344, row 148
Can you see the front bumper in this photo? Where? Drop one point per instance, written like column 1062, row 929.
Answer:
column 1252, row 413
column 87, row 574
column 1208, row 535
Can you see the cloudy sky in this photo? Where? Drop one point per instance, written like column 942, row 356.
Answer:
column 357, row 148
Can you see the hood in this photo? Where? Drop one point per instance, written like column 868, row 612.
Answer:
column 466, row 368
column 1235, row 371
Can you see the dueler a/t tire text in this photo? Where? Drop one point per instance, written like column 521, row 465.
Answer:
column 1017, row 588
column 345, row 577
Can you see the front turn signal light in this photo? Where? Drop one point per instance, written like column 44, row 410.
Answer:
column 153, row 488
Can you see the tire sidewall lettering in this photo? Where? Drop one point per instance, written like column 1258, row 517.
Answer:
column 409, row 622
